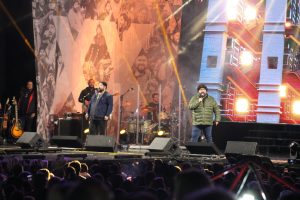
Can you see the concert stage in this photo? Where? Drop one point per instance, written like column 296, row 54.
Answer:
column 129, row 153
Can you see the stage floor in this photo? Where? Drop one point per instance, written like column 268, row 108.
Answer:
column 125, row 153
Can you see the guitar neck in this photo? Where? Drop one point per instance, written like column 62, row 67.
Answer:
column 16, row 112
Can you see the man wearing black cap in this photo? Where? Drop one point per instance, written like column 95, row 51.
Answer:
column 203, row 107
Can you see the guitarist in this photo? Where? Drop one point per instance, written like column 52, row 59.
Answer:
column 28, row 107
column 86, row 95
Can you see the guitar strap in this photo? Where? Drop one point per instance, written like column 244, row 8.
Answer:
column 29, row 101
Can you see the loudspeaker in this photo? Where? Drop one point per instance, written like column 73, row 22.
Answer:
column 100, row 143
column 238, row 147
column 202, row 148
column 66, row 141
column 71, row 127
column 30, row 140
column 164, row 145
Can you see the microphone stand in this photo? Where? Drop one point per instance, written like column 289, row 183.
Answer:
column 121, row 107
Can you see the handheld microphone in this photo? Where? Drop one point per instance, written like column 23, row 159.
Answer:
column 202, row 95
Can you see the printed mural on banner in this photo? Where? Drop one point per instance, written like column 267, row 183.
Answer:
column 118, row 41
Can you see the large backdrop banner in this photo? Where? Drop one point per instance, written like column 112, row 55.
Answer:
column 127, row 43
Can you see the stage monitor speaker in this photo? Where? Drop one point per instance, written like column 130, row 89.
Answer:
column 238, row 147
column 202, row 148
column 100, row 143
column 66, row 141
column 31, row 140
column 164, row 145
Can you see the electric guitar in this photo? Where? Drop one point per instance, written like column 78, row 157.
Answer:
column 5, row 117
column 16, row 130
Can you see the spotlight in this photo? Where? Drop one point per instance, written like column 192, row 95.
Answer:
column 246, row 58
column 250, row 13
column 123, row 131
column 294, row 147
column 86, row 131
column 242, row 105
column 296, row 107
column 232, row 10
column 282, row 91
column 288, row 24
column 160, row 133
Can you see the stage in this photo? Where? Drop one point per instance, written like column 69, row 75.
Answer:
column 123, row 154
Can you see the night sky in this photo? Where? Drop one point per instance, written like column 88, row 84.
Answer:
column 17, row 63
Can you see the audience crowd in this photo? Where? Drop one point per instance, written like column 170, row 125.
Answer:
column 148, row 179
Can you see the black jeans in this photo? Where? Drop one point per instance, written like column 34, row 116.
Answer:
column 98, row 127
column 28, row 123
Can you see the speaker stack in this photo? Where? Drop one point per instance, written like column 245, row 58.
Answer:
column 70, row 131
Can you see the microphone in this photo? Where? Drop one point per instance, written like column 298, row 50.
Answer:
column 202, row 95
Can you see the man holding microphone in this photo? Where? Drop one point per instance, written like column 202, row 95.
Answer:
column 203, row 107
column 99, row 110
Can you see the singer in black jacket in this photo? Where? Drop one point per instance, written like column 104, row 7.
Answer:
column 86, row 95
column 99, row 110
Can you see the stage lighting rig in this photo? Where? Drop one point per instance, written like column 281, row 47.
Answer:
column 242, row 105
column 296, row 108
column 282, row 91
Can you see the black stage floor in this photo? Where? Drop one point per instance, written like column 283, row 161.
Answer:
column 125, row 153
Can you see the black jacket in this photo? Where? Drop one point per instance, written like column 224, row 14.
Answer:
column 27, row 102
column 86, row 94
column 103, row 107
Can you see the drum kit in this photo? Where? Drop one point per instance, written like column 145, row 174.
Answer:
column 152, row 123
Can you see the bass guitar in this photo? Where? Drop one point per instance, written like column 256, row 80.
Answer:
column 16, row 130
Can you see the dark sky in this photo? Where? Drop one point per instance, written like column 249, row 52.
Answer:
column 17, row 63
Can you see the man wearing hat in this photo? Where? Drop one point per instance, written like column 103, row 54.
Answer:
column 205, row 111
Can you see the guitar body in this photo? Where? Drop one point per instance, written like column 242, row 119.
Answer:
column 5, row 120
column 85, row 106
column 16, row 130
